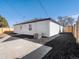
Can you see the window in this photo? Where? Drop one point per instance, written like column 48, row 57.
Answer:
column 30, row 27
column 20, row 27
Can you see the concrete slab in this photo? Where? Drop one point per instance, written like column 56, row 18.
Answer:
column 38, row 54
column 19, row 48
column 5, row 38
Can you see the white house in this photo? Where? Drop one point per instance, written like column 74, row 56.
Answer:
column 46, row 27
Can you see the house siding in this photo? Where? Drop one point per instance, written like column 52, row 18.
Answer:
column 47, row 27
column 37, row 27
column 54, row 28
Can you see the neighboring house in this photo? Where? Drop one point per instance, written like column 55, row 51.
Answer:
column 45, row 27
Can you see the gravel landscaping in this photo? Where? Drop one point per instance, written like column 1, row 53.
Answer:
column 64, row 47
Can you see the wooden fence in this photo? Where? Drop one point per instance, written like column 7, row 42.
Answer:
column 76, row 32
column 68, row 29
column 73, row 29
column 3, row 30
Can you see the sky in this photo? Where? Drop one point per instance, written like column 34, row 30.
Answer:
column 16, row 11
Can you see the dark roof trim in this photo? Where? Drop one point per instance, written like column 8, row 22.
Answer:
column 37, row 20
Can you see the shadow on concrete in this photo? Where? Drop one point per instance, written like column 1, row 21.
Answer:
column 20, row 35
column 15, row 36
column 11, row 39
column 43, row 40
column 38, row 53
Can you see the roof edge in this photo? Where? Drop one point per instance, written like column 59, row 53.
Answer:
column 37, row 20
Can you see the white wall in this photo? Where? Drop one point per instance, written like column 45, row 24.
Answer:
column 47, row 27
column 54, row 28
column 37, row 27
column 61, row 28
column 17, row 29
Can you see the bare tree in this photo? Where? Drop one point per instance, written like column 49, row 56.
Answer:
column 61, row 20
column 66, row 21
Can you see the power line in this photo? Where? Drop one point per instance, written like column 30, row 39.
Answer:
column 42, row 6
column 18, row 13
column 14, row 9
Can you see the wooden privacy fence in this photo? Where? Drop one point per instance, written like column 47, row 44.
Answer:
column 3, row 30
column 73, row 29
column 68, row 29
column 76, row 32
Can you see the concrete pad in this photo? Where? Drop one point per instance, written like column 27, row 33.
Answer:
column 2, row 35
column 38, row 54
column 5, row 38
column 17, row 48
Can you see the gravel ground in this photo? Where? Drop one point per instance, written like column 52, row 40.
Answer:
column 64, row 47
